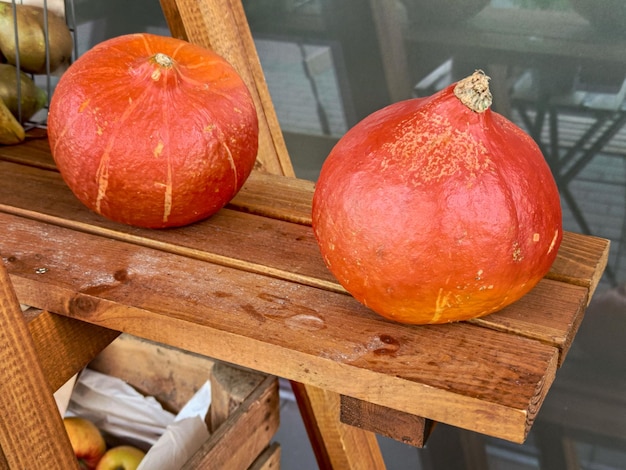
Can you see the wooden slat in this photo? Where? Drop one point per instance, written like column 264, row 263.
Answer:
column 468, row 376
column 222, row 26
column 269, row 458
column 338, row 445
column 403, row 427
column 245, row 434
column 29, row 414
column 230, row 386
column 244, row 240
column 65, row 345
column 581, row 261
column 169, row 374
column 289, row 250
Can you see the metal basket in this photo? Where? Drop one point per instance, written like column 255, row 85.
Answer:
column 48, row 80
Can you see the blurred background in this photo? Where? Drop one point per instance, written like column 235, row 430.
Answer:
column 558, row 70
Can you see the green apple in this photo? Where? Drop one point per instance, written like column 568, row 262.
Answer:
column 86, row 440
column 121, row 458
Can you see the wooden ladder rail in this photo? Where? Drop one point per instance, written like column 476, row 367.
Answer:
column 222, row 26
column 35, row 364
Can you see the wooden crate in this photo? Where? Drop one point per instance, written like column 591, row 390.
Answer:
column 244, row 412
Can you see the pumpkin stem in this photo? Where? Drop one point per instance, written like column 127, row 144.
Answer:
column 162, row 61
column 473, row 91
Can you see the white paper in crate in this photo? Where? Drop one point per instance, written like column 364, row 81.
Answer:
column 117, row 408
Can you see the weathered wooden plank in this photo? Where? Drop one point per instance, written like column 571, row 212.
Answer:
column 338, row 445
column 581, row 261
column 231, row 238
column 289, row 250
column 269, row 458
column 245, row 434
column 403, row 427
column 461, row 374
column 35, row 151
column 543, row 315
column 169, row 374
column 221, row 25
column 65, row 345
column 29, row 413
column 230, row 386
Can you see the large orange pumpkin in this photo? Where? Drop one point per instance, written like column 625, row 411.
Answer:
column 153, row 131
column 437, row 209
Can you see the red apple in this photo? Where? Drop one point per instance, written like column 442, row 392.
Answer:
column 121, row 458
column 87, row 441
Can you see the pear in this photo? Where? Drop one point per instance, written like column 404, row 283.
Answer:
column 31, row 38
column 31, row 97
column 11, row 131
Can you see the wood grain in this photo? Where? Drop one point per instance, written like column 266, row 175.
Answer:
column 340, row 445
column 248, row 286
column 409, row 429
column 230, row 386
column 490, row 381
column 245, row 434
column 257, row 243
column 169, row 374
column 269, row 458
column 29, row 413
column 221, row 25
column 66, row 345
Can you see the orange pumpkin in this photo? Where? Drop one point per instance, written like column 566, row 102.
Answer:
column 153, row 131
column 437, row 209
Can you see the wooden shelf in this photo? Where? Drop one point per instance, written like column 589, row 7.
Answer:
column 248, row 286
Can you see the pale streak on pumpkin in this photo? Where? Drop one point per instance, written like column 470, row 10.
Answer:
column 553, row 242
column 167, row 197
column 231, row 160
column 102, row 174
column 441, row 304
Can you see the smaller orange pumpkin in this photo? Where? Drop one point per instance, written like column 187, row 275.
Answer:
column 153, row 131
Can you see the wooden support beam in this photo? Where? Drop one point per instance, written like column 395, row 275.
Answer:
column 29, row 414
column 222, row 26
column 403, row 427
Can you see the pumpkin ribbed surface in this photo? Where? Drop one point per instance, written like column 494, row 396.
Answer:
column 437, row 209
column 153, row 131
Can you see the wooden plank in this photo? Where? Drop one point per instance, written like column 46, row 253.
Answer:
column 251, row 239
column 409, row 429
column 221, row 25
column 542, row 315
column 65, row 345
column 35, row 151
column 338, row 445
column 469, row 376
column 269, row 459
column 581, row 261
column 169, row 374
column 289, row 250
column 29, row 413
column 245, row 434
column 230, row 386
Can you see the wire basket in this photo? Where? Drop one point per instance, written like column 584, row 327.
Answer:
column 47, row 75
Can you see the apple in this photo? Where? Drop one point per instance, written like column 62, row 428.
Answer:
column 121, row 458
column 86, row 440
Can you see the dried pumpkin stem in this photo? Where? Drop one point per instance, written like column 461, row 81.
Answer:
column 473, row 91
column 163, row 60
